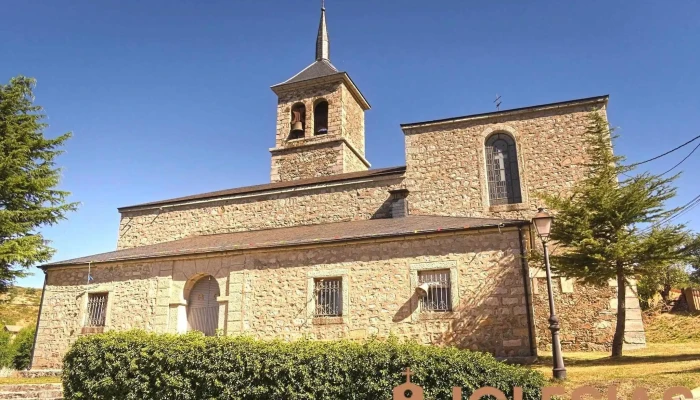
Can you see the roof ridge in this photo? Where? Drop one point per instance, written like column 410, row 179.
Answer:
column 273, row 185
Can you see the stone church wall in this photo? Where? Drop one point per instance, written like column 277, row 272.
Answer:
column 347, row 202
column 587, row 315
column 321, row 159
column 132, row 290
column 446, row 165
column 353, row 127
column 268, row 294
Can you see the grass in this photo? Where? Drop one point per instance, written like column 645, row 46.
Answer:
column 22, row 381
column 673, row 328
column 656, row 368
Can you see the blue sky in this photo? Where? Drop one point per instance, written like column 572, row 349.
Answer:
column 169, row 98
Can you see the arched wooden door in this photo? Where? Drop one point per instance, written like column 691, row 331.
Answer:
column 202, row 307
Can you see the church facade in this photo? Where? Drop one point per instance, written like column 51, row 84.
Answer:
column 332, row 249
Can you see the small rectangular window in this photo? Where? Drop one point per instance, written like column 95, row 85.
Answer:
column 439, row 297
column 329, row 297
column 96, row 310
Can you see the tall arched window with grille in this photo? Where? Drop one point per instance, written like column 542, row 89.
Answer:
column 502, row 170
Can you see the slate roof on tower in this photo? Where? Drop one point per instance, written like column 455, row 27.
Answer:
column 318, row 69
column 323, row 67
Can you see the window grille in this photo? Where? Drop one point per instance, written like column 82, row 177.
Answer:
column 96, row 309
column 439, row 297
column 329, row 297
column 502, row 170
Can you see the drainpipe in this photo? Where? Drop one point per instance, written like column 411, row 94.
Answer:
column 38, row 319
column 528, row 293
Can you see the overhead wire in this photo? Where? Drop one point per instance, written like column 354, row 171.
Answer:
column 666, row 153
column 681, row 162
column 682, row 210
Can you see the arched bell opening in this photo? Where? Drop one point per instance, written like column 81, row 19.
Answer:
column 202, row 306
column 298, row 121
column 321, row 118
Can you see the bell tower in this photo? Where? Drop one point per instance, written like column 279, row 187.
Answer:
column 320, row 120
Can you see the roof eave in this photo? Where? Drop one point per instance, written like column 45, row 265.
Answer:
column 283, row 87
column 494, row 114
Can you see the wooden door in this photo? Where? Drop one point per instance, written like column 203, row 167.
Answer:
column 202, row 307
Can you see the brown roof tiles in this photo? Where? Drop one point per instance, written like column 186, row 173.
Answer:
column 297, row 235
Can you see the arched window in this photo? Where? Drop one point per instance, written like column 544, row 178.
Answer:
column 321, row 118
column 298, row 121
column 502, row 170
column 202, row 306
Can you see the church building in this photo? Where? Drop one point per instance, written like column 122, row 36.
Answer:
column 331, row 248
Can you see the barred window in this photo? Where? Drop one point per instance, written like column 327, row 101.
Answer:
column 96, row 309
column 439, row 297
column 329, row 297
column 502, row 170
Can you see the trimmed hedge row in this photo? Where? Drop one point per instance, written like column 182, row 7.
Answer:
column 138, row 365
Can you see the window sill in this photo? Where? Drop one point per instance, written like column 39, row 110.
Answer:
column 90, row 330
column 509, row 207
column 327, row 321
column 436, row 315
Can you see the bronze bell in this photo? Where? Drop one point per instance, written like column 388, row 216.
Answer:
column 297, row 126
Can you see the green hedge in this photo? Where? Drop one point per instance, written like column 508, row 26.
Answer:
column 138, row 365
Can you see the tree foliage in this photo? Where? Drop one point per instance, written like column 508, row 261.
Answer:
column 22, row 347
column 609, row 227
column 5, row 348
column 28, row 179
column 660, row 281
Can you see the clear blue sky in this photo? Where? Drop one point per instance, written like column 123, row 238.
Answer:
column 170, row 98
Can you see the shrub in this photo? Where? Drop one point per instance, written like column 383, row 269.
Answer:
column 138, row 365
column 21, row 348
column 5, row 348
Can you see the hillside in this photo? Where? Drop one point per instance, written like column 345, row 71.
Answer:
column 19, row 306
column 673, row 328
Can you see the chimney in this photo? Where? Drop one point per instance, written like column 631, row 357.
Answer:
column 399, row 203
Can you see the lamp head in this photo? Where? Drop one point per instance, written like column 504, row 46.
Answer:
column 543, row 223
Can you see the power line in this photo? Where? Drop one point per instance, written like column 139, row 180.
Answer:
column 666, row 153
column 681, row 162
column 682, row 210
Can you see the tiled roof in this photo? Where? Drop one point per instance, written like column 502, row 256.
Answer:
column 277, row 185
column 297, row 235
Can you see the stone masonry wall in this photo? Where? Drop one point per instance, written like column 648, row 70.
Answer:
column 132, row 304
column 446, row 166
column 357, row 201
column 269, row 294
column 309, row 96
column 587, row 315
column 322, row 159
column 318, row 155
column 351, row 162
column 353, row 117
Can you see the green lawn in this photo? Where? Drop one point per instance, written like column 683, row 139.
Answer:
column 674, row 362
column 20, row 381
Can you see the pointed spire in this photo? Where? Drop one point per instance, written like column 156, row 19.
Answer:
column 322, row 42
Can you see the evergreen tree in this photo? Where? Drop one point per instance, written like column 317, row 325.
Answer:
column 610, row 228
column 28, row 178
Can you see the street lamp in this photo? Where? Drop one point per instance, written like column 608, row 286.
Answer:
column 543, row 223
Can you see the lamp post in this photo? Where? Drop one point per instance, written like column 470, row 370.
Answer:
column 543, row 223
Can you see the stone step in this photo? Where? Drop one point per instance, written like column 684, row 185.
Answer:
column 43, row 391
